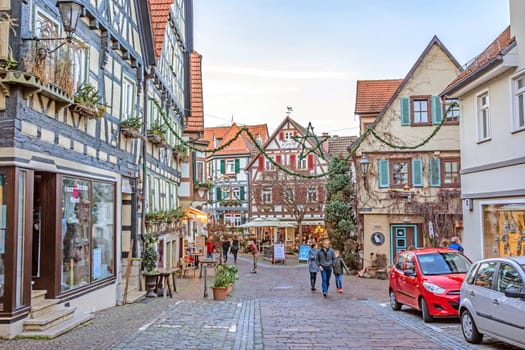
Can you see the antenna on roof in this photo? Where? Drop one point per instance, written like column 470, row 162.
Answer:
column 232, row 118
column 289, row 110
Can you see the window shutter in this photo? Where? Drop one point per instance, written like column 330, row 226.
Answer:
column 218, row 193
column 281, row 136
column 435, row 172
column 278, row 159
column 417, row 173
column 293, row 161
column 437, row 110
column 384, row 173
column 295, row 133
column 242, row 193
column 310, row 162
column 260, row 166
column 405, row 110
column 223, row 166
column 237, row 166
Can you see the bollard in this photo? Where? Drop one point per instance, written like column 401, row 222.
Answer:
column 205, row 279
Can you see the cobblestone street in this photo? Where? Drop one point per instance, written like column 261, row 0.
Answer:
column 273, row 309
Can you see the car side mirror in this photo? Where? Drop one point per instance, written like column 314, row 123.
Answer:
column 410, row 273
column 514, row 292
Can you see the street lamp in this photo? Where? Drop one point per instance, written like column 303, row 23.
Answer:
column 70, row 11
column 364, row 163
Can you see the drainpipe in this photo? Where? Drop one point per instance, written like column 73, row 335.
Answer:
column 149, row 73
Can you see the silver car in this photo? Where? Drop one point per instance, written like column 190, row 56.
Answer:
column 492, row 301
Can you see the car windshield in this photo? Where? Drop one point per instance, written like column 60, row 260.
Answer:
column 443, row 263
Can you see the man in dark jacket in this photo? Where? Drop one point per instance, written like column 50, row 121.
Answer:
column 325, row 260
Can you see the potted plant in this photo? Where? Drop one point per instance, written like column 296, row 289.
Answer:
column 131, row 126
column 149, row 263
column 88, row 102
column 221, row 282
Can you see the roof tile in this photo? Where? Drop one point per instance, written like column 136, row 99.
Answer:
column 372, row 95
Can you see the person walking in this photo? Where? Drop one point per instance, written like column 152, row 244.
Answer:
column 236, row 245
column 209, row 248
column 255, row 251
column 339, row 268
column 312, row 265
column 225, row 248
column 325, row 260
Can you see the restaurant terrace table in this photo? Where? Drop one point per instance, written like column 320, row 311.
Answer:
column 207, row 262
column 164, row 278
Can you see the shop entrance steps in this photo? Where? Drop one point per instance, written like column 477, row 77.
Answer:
column 49, row 319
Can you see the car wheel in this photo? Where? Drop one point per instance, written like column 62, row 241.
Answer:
column 469, row 329
column 427, row 317
column 393, row 302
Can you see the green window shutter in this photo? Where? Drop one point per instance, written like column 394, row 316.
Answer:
column 218, row 193
column 223, row 166
column 435, row 173
column 405, row 110
column 437, row 110
column 242, row 193
column 417, row 173
column 237, row 166
column 384, row 173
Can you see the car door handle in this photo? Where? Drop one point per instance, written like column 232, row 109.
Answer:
column 495, row 302
column 471, row 293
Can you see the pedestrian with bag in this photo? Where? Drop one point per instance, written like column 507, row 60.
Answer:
column 339, row 268
column 312, row 265
column 325, row 260
column 236, row 245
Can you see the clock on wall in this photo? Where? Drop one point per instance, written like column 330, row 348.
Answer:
column 377, row 238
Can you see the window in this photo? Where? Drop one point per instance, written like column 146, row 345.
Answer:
column 508, row 277
column 450, row 172
column 451, row 110
column 483, row 117
column 199, row 171
column 311, row 194
column 236, row 192
column 226, row 193
column 519, row 103
column 420, row 107
column 128, row 92
column 399, row 262
column 400, row 170
column 302, row 163
column 501, row 223
column 88, row 231
column 266, row 195
column 485, row 274
column 269, row 165
column 288, row 195
column 230, row 166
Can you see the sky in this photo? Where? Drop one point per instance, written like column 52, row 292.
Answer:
column 262, row 56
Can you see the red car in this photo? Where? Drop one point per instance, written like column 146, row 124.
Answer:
column 429, row 280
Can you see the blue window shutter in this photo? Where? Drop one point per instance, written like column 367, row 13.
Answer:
column 435, row 173
column 417, row 173
column 384, row 173
column 237, row 166
column 405, row 110
column 437, row 110
column 223, row 166
column 242, row 193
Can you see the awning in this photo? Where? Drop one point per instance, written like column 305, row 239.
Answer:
column 267, row 222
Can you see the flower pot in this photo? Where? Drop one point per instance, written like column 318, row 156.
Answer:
column 219, row 293
column 151, row 284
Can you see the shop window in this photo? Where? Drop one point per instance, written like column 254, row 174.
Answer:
column 87, row 231
column 503, row 229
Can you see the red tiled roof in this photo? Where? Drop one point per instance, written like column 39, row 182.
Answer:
column 372, row 95
column 160, row 10
column 242, row 144
column 195, row 121
column 490, row 53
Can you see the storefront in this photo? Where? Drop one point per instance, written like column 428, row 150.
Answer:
column 57, row 233
column 503, row 227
